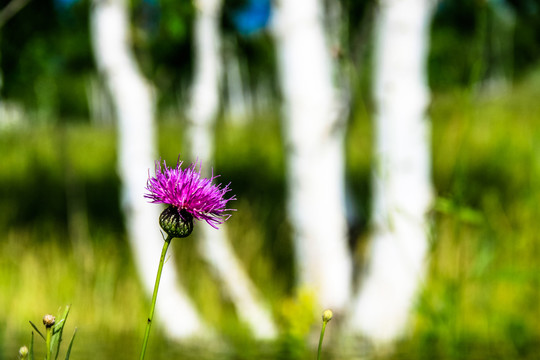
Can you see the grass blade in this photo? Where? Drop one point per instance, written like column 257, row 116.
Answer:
column 70, row 344
column 31, row 350
column 35, row 328
column 58, row 330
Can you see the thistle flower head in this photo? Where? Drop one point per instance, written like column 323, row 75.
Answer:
column 189, row 194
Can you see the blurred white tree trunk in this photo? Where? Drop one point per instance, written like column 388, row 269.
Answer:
column 238, row 107
column 314, row 135
column 401, row 178
column 134, row 106
column 214, row 244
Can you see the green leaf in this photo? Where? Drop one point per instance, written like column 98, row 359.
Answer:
column 59, row 326
column 463, row 213
column 58, row 331
column 31, row 350
column 71, row 344
column 35, row 328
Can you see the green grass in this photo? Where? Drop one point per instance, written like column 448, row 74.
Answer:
column 484, row 284
column 63, row 240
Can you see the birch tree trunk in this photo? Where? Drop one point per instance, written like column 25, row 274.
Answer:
column 314, row 136
column 401, row 178
column 214, row 245
column 134, row 108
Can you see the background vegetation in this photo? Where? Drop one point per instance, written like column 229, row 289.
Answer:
column 63, row 239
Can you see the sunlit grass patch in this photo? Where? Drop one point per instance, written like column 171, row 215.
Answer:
column 39, row 276
column 483, row 279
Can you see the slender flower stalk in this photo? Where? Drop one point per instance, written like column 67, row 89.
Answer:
column 188, row 196
column 48, row 321
column 154, row 296
column 326, row 317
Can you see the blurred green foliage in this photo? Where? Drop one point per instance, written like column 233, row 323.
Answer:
column 47, row 63
column 64, row 243
column 63, row 239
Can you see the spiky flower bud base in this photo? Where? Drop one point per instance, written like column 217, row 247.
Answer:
column 176, row 223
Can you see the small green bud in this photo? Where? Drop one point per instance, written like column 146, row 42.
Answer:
column 23, row 352
column 176, row 223
column 48, row 320
column 327, row 315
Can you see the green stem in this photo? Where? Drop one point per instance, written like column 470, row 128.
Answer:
column 154, row 297
column 321, row 339
column 48, row 341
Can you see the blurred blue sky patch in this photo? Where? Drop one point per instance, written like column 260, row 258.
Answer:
column 253, row 17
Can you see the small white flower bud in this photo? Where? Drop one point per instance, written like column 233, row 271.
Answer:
column 23, row 352
column 48, row 320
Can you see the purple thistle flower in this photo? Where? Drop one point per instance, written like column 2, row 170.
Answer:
column 189, row 194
